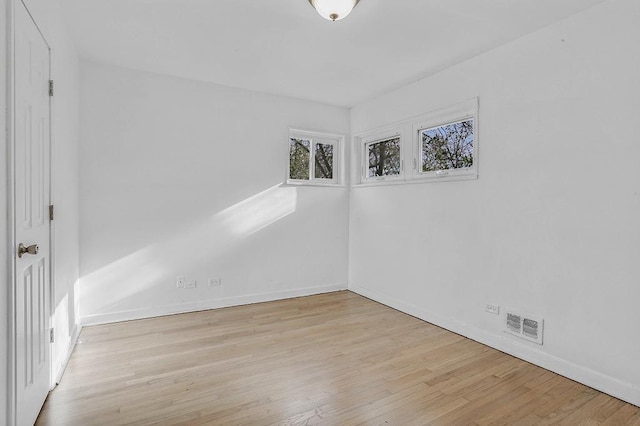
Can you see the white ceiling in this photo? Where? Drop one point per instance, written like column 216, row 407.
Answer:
column 283, row 47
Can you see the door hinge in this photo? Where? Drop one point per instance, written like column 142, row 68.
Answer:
column 52, row 337
column 50, row 87
column 51, row 212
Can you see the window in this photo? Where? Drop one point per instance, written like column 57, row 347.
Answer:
column 382, row 156
column 313, row 158
column 441, row 145
column 323, row 164
column 447, row 148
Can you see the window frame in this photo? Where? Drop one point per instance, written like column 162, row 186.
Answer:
column 411, row 147
column 441, row 121
column 337, row 141
column 372, row 139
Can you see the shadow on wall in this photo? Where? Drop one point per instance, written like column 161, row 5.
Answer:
column 216, row 236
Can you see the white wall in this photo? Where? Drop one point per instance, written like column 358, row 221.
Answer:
column 185, row 178
column 551, row 225
column 4, row 226
column 65, row 192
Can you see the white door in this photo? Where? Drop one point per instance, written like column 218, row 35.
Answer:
column 31, row 215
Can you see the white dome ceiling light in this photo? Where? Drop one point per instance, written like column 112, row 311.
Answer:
column 334, row 10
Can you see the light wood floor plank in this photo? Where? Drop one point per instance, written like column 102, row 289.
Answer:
column 331, row 359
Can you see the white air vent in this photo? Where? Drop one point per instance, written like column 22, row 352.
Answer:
column 526, row 326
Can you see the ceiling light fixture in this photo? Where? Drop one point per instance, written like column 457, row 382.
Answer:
column 334, row 10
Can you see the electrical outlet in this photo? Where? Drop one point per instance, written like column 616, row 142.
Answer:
column 493, row 309
column 214, row 282
column 191, row 284
column 180, row 281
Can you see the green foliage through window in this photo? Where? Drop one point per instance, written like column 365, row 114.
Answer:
column 384, row 158
column 323, row 161
column 299, row 156
column 447, row 147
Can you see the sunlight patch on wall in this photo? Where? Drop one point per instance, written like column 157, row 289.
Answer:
column 108, row 288
column 76, row 301
column 261, row 210
column 124, row 277
column 61, row 327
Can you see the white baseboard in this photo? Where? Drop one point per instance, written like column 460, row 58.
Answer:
column 75, row 334
column 203, row 305
column 610, row 385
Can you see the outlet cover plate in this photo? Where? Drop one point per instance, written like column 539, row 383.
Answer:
column 180, row 281
column 493, row 309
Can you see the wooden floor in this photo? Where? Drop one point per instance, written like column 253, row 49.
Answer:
column 333, row 359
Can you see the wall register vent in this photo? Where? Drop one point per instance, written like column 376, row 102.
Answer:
column 525, row 326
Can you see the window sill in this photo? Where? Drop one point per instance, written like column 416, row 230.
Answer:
column 294, row 184
column 417, row 179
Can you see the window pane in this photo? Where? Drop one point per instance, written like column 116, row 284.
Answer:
column 384, row 158
column 324, row 161
column 299, row 158
column 447, row 147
